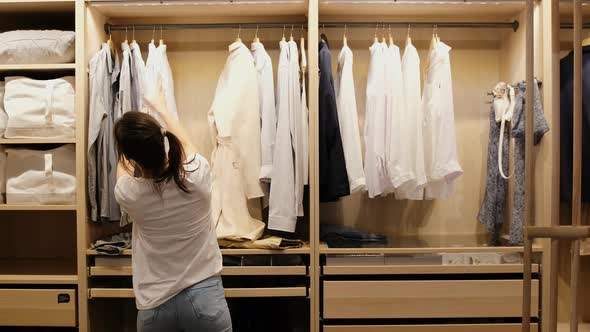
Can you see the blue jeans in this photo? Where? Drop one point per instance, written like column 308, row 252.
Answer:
column 199, row 308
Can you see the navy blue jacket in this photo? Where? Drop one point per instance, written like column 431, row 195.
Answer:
column 333, row 175
column 567, row 126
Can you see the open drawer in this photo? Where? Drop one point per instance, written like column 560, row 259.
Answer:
column 426, row 299
column 430, row 328
column 38, row 307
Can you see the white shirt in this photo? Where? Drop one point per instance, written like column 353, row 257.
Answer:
column 158, row 68
column 440, row 143
column 375, row 171
column 348, row 121
column 395, row 109
column 413, row 146
column 123, row 103
column 137, row 77
column 298, row 126
column 267, row 108
column 282, row 213
column 174, row 241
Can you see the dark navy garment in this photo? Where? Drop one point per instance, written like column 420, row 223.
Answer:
column 333, row 177
column 567, row 126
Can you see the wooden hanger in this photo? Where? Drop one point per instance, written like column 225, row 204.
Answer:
column 238, row 39
column 153, row 34
column 383, row 33
column 161, row 35
column 111, row 46
column 436, row 29
column 283, row 39
column 390, row 36
column 344, row 41
column 408, row 38
column 256, row 39
column 375, row 39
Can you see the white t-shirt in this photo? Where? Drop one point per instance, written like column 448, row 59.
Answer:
column 174, row 240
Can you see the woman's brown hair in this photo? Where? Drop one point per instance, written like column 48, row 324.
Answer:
column 140, row 139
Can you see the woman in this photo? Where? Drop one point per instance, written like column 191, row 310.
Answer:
column 176, row 259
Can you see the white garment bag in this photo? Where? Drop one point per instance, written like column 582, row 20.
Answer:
column 40, row 108
column 37, row 46
column 41, row 176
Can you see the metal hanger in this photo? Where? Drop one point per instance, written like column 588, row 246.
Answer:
column 153, row 34
column 133, row 34
column 375, row 39
column 344, row 40
column 161, row 35
column 284, row 27
column 291, row 37
column 126, row 40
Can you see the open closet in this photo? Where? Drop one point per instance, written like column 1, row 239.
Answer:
column 431, row 274
column 197, row 36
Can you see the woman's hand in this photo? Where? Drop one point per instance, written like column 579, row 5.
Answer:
column 157, row 99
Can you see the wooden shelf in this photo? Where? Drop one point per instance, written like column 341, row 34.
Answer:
column 500, row 10
column 16, row 207
column 238, row 252
column 202, row 9
column 324, row 249
column 38, row 67
column 229, row 292
column 45, row 279
column 16, row 141
column 424, row 269
column 36, row 6
column 37, row 271
column 227, row 270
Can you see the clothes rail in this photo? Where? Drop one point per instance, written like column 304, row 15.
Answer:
column 112, row 27
column 505, row 25
column 571, row 26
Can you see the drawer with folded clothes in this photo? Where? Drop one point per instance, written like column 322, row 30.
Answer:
column 37, row 108
column 38, row 177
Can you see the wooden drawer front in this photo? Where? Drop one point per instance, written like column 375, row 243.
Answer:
column 426, row 299
column 430, row 328
column 37, row 307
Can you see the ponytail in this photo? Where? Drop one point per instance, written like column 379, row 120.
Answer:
column 175, row 169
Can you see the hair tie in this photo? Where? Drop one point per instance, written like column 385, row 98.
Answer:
column 163, row 131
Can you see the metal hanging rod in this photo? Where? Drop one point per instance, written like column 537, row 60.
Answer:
column 113, row 27
column 508, row 25
column 571, row 26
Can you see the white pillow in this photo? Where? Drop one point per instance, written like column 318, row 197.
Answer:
column 3, row 115
column 41, row 176
column 37, row 47
column 40, row 108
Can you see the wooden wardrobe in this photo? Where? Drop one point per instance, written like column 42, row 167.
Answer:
column 49, row 276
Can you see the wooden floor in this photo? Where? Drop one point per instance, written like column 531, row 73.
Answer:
column 564, row 327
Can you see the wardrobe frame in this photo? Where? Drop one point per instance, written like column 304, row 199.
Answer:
column 545, row 213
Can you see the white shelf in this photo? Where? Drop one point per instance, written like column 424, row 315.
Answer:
column 12, row 207
column 37, row 67
column 15, row 141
